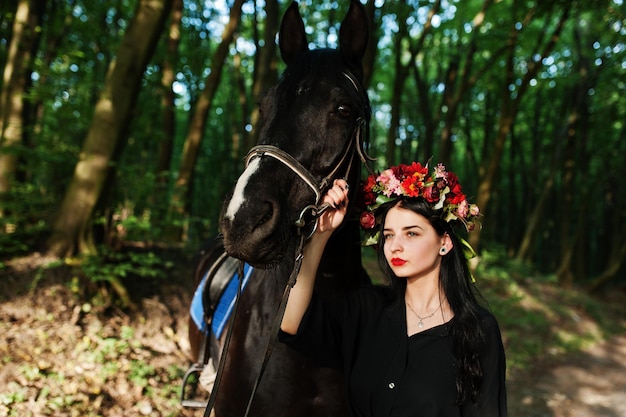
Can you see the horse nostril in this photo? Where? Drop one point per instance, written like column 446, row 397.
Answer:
column 267, row 213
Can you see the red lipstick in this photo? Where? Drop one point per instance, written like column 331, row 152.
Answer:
column 397, row 261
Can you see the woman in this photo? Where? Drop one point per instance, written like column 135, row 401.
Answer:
column 422, row 346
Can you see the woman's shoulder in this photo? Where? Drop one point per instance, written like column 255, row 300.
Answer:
column 371, row 297
column 489, row 325
column 486, row 316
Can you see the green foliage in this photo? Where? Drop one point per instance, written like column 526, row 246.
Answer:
column 79, row 41
column 122, row 265
column 118, row 270
column 25, row 210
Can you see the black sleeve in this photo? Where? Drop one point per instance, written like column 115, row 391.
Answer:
column 492, row 400
column 319, row 334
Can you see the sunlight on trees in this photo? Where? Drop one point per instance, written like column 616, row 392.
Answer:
column 519, row 100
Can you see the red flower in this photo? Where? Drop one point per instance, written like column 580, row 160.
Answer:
column 414, row 170
column 367, row 220
column 455, row 196
column 431, row 194
column 412, row 186
column 369, row 197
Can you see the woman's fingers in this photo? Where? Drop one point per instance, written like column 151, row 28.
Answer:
column 337, row 195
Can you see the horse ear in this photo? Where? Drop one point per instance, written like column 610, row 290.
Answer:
column 292, row 38
column 353, row 35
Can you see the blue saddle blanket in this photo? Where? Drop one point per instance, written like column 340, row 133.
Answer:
column 225, row 305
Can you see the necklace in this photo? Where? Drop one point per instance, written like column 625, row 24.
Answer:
column 420, row 324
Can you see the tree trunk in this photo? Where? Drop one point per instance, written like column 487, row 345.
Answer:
column 167, row 83
column 265, row 70
column 178, row 206
column 457, row 84
column 508, row 112
column 166, row 145
column 400, row 75
column 575, row 164
column 533, row 221
column 369, row 59
column 16, row 73
column 112, row 115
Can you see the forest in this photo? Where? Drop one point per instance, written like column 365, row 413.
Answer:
column 123, row 125
column 130, row 123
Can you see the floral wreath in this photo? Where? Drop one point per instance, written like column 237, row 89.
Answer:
column 441, row 189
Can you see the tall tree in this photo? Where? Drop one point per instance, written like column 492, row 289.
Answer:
column 168, row 77
column 458, row 81
column 16, row 78
column 576, row 162
column 510, row 103
column 265, row 68
column 72, row 232
column 168, row 104
column 178, row 204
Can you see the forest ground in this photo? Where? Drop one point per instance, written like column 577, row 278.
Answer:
column 62, row 356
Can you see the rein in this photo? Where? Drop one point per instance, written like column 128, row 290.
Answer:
column 355, row 145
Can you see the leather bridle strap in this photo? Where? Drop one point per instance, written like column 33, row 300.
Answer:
column 287, row 160
column 298, row 169
column 277, row 321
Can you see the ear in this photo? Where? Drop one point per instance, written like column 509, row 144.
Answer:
column 291, row 37
column 353, row 36
column 446, row 242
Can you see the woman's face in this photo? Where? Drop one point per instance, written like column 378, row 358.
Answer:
column 412, row 246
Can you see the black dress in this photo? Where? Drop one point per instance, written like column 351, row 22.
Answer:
column 388, row 373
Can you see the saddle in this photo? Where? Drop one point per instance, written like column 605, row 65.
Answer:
column 211, row 307
column 214, row 299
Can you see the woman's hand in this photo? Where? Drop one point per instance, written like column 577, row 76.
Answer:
column 337, row 197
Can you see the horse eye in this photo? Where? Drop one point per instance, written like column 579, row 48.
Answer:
column 344, row 110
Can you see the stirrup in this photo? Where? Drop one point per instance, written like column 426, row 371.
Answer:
column 194, row 369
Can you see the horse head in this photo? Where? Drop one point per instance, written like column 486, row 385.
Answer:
column 311, row 127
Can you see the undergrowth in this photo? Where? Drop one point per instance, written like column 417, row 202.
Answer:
column 540, row 322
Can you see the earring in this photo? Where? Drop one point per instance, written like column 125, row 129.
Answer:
column 442, row 251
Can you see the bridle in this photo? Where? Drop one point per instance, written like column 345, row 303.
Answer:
column 356, row 144
column 297, row 168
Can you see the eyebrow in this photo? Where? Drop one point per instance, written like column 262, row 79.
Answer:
column 406, row 227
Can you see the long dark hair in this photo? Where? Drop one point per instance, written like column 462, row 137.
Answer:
column 456, row 282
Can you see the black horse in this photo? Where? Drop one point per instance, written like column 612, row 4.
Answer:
column 314, row 122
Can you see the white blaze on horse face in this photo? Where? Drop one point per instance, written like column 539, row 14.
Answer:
column 238, row 198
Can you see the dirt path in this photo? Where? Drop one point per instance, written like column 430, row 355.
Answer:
column 587, row 384
column 57, row 359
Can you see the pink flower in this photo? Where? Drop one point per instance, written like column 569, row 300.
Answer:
column 440, row 172
column 367, row 220
column 388, row 183
column 385, row 177
column 462, row 209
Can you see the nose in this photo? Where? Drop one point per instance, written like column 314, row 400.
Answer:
column 394, row 245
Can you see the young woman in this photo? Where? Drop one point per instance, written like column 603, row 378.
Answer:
column 423, row 345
